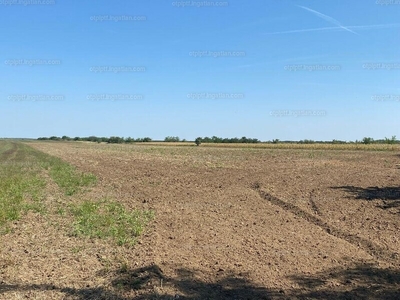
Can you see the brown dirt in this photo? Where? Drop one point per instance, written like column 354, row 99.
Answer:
column 229, row 224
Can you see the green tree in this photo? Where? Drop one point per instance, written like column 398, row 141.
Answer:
column 367, row 140
column 171, row 139
column 115, row 140
column 198, row 141
column 391, row 141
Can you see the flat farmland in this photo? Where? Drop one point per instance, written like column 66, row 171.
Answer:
column 229, row 223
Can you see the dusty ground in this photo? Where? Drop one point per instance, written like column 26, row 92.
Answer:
column 229, row 224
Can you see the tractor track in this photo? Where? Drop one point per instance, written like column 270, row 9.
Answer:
column 371, row 248
column 314, row 205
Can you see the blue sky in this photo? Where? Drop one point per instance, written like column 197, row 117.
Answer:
column 264, row 69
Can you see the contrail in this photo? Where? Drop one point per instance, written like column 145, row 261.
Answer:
column 306, row 30
column 327, row 18
column 377, row 26
column 359, row 27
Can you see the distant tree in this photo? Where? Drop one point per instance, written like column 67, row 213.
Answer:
column 216, row 139
column 54, row 138
column 391, row 141
column 171, row 139
column 115, row 140
column 338, row 142
column 275, row 141
column 92, row 138
column 367, row 140
column 306, row 142
column 255, row 141
column 198, row 141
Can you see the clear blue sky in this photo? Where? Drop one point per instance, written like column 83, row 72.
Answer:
column 264, row 69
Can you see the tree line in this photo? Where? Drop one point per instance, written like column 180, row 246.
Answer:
column 215, row 139
column 110, row 140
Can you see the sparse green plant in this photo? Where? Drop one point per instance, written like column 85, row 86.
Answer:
column 77, row 249
column 68, row 178
column 109, row 219
column 61, row 211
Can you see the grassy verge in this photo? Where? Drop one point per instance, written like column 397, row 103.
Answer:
column 22, row 184
column 22, row 188
column 63, row 174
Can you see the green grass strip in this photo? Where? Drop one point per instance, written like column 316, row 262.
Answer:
column 22, row 183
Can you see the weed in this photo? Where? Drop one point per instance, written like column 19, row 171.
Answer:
column 108, row 219
column 68, row 178
column 77, row 249
column 61, row 211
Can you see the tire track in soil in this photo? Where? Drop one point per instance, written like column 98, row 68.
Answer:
column 371, row 248
column 314, row 206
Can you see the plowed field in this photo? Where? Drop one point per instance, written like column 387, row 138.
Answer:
column 228, row 224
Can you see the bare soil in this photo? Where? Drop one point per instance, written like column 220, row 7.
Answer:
column 229, row 224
